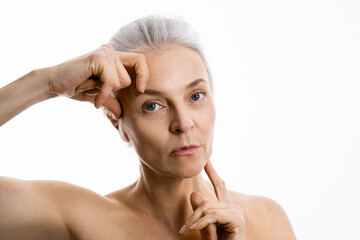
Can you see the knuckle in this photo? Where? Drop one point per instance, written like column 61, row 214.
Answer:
column 117, row 84
column 126, row 81
column 98, row 57
column 207, row 212
column 211, row 217
column 107, row 46
column 108, row 83
column 215, row 213
column 205, row 205
column 141, row 57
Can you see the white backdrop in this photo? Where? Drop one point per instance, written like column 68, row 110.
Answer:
column 287, row 86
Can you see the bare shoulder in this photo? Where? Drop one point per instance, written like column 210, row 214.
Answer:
column 81, row 209
column 64, row 191
column 72, row 200
column 265, row 218
column 43, row 209
column 257, row 204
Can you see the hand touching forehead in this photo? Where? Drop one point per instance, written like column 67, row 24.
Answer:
column 171, row 69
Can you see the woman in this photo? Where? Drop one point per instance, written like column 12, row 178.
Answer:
column 155, row 85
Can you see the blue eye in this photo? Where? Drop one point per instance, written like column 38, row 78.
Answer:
column 150, row 107
column 197, row 96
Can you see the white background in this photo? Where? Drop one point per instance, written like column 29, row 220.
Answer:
column 287, row 89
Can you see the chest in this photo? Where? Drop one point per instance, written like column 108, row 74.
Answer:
column 134, row 229
column 126, row 224
column 122, row 226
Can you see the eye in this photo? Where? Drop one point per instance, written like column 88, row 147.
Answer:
column 151, row 107
column 197, row 96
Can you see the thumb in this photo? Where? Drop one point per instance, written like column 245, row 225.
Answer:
column 210, row 231
column 196, row 199
column 114, row 106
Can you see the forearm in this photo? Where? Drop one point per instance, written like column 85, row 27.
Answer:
column 28, row 90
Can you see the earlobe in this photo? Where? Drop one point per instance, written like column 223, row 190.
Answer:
column 123, row 135
column 116, row 123
column 121, row 131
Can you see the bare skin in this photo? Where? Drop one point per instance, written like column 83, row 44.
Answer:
column 176, row 109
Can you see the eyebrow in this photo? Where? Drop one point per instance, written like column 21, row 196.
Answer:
column 158, row 93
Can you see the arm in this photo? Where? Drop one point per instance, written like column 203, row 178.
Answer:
column 91, row 77
column 45, row 210
column 22, row 93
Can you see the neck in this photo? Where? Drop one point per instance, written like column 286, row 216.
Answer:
column 167, row 199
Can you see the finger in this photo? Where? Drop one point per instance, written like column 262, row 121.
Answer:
column 84, row 97
column 219, row 185
column 89, row 84
column 103, row 95
column 106, row 69
column 204, row 222
column 211, row 231
column 124, row 78
column 114, row 106
column 138, row 63
column 200, row 211
column 212, row 217
column 111, row 104
column 196, row 199
column 230, row 221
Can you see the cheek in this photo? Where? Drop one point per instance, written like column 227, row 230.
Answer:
column 206, row 127
column 207, row 119
column 211, row 116
column 147, row 136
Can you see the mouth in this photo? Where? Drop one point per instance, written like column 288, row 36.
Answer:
column 185, row 150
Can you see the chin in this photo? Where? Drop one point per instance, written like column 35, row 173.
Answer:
column 188, row 170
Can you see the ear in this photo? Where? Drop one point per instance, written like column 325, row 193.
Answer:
column 117, row 124
column 121, row 131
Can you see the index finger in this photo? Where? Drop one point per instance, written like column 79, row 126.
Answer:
column 219, row 185
column 136, row 61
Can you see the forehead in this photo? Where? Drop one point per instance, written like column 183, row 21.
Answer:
column 174, row 66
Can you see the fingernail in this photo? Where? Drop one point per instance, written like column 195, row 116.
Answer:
column 143, row 87
column 183, row 228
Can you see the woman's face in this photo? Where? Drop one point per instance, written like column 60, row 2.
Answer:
column 171, row 123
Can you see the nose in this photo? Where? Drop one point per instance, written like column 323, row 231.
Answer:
column 181, row 121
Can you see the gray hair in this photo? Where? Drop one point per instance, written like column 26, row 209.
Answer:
column 153, row 32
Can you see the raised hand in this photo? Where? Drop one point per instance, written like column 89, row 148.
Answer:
column 216, row 219
column 94, row 76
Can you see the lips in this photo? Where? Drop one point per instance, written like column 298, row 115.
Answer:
column 185, row 150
